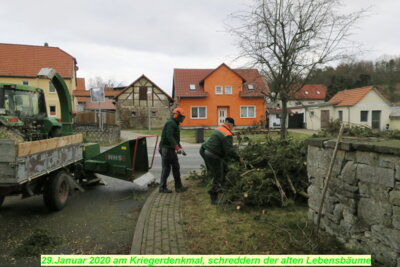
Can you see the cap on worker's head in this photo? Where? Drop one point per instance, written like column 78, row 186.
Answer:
column 230, row 120
column 178, row 111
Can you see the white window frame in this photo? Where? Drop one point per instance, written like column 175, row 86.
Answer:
column 247, row 117
column 250, row 86
column 228, row 86
column 192, row 87
column 191, row 113
column 55, row 90
column 222, row 89
column 55, row 108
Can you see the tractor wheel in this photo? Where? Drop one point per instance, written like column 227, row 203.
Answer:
column 1, row 200
column 56, row 191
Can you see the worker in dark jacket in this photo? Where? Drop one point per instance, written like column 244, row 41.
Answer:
column 218, row 148
column 169, row 148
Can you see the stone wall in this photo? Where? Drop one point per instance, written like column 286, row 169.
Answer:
column 362, row 206
column 108, row 136
column 133, row 117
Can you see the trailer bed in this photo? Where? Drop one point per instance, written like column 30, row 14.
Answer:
column 26, row 161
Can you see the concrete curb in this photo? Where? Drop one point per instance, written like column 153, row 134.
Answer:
column 138, row 235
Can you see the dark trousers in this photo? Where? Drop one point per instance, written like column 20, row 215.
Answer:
column 216, row 168
column 169, row 159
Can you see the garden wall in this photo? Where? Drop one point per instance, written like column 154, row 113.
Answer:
column 108, row 136
column 362, row 206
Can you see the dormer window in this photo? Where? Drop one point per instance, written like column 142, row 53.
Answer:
column 306, row 92
column 250, row 86
column 318, row 92
column 192, row 86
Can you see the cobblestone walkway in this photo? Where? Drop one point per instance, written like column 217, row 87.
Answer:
column 159, row 228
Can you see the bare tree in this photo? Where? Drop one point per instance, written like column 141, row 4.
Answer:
column 98, row 82
column 287, row 39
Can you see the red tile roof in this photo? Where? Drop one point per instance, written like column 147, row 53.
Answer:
column 82, row 99
column 27, row 60
column 183, row 78
column 80, row 84
column 350, row 97
column 311, row 91
column 107, row 104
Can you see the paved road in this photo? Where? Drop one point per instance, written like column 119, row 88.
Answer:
column 188, row 163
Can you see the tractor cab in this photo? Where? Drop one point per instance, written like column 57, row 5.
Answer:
column 23, row 108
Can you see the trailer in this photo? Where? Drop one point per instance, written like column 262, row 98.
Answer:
column 55, row 167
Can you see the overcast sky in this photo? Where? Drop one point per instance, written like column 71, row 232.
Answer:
column 123, row 39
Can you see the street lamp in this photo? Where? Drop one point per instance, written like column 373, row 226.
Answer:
column 149, row 91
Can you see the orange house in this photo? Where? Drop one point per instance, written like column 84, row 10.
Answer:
column 208, row 96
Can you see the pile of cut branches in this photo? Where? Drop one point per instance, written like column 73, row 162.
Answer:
column 274, row 173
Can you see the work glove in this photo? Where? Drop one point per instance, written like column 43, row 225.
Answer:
column 179, row 150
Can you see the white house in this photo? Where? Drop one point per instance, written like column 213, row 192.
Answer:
column 361, row 106
column 309, row 94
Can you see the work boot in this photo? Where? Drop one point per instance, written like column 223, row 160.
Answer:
column 164, row 190
column 181, row 189
column 214, row 198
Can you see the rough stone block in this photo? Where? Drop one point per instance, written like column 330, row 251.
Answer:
column 374, row 191
column 387, row 161
column 397, row 168
column 389, row 237
column 396, row 217
column 394, row 198
column 368, row 158
column 349, row 217
column 372, row 212
column 349, row 173
column 315, row 197
column 385, row 176
column 376, row 175
column 350, row 156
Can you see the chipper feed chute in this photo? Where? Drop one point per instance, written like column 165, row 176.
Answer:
column 126, row 161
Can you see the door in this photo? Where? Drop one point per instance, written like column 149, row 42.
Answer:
column 296, row 121
column 222, row 114
column 324, row 118
column 376, row 119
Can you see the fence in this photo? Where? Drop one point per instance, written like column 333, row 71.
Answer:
column 92, row 117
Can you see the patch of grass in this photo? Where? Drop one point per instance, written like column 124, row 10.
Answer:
column 40, row 242
column 255, row 230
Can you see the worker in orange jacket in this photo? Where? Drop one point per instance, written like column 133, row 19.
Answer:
column 215, row 150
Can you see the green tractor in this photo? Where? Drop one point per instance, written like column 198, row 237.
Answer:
column 23, row 115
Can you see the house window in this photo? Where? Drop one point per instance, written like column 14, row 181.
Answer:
column 310, row 103
column 133, row 114
column 52, row 89
column 154, row 113
column 318, row 92
column 192, row 86
column 298, row 103
column 364, row 115
column 25, row 82
column 218, row 90
column 278, row 116
column 52, row 110
column 340, row 115
column 250, row 86
column 228, row 90
column 143, row 93
column 247, row 112
column 306, row 92
column 198, row 113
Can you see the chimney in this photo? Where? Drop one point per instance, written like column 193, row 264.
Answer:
column 46, row 44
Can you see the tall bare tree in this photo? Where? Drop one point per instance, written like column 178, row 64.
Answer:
column 98, row 82
column 287, row 39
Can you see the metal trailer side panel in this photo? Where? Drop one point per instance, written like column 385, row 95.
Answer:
column 35, row 165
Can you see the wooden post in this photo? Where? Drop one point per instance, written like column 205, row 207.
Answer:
column 328, row 176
